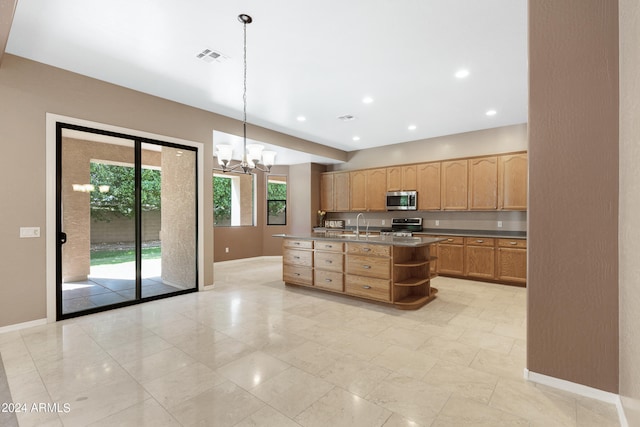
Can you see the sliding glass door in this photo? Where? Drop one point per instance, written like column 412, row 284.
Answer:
column 126, row 218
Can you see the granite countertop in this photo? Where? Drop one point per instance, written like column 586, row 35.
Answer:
column 444, row 232
column 380, row 240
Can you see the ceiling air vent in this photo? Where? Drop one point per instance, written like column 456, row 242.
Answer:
column 346, row 118
column 209, row 55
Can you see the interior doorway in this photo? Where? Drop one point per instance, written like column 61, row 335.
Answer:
column 126, row 220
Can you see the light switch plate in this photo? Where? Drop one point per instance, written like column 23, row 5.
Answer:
column 27, row 232
column 499, row 224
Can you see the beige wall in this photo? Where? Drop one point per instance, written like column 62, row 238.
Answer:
column 572, row 330
column 629, row 244
column 469, row 144
column 29, row 90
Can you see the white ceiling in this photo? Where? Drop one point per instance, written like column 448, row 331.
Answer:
column 318, row 59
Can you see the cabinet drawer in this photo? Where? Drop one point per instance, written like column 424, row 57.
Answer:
column 369, row 266
column 302, row 244
column 331, row 261
column 512, row 243
column 329, row 246
column 328, row 280
column 369, row 249
column 453, row 240
column 297, row 274
column 479, row 241
column 366, row 287
column 298, row 257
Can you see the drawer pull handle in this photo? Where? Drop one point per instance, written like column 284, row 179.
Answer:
column 328, row 261
column 449, row 240
column 366, row 267
column 328, row 280
column 479, row 241
column 366, row 249
column 296, row 243
column 366, row 287
column 513, row 243
column 297, row 274
column 329, row 246
column 296, row 257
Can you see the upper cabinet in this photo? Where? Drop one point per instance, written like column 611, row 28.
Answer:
column 454, row 185
column 376, row 183
column 327, row 192
column 358, row 190
column 334, row 192
column 512, row 182
column 483, row 183
column 401, row 178
column 341, row 191
column 428, row 186
column 479, row 183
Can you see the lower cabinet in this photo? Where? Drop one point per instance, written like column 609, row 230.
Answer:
column 451, row 256
column 392, row 274
column 512, row 260
column 490, row 259
column 480, row 258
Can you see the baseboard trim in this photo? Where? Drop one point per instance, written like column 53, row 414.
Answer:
column 579, row 389
column 256, row 258
column 24, row 325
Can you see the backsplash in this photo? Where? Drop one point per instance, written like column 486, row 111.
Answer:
column 447, row 220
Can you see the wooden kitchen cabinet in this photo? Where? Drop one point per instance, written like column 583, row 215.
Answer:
column 451, row 256
column 297, row 262
column 513, row 182
column 334, row 191
column 341, row 191
column 375, row 183
column 483, row 183
column 480, row 257
column 512, row 260
column 454, row 185
column 327, row 192
column 328, row 262
column 368, row 271
column 358, row 191
column 428, row 186
column 401, row 178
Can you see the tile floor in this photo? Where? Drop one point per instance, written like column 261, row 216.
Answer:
column 253, row 352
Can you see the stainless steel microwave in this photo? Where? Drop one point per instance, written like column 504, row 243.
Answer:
column 402, row 200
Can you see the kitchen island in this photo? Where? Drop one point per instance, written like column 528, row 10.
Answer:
column 388, row 269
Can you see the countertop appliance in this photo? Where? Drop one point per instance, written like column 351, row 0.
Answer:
column 402, row 200
column 403, row 227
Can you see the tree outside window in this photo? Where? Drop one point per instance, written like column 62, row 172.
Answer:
column 276, row 200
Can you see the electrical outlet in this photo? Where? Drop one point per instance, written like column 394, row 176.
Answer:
column 226, row 250
column 27, row 232
column 437, row 222
column 499, row 224
column 348, row 222
column 384, row 222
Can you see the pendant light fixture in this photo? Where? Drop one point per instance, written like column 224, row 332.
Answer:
column 252, row 154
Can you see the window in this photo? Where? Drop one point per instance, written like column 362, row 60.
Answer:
column 233, row 199
column 276, row 200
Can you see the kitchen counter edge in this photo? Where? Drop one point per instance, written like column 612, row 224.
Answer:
column 376, row 240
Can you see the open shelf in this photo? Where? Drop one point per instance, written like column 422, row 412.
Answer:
column 411, row 263
column 412, row 281
column 411, row 302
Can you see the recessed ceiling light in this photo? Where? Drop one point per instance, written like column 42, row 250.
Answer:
column 367, row 100
column 412, row 127
column 461, row 74
column 356, row 138
column 491, row 113
column 301, row 118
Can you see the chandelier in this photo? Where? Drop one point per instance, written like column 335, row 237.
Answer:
column 253, row 155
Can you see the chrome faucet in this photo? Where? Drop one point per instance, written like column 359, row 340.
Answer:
column 358, row 223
